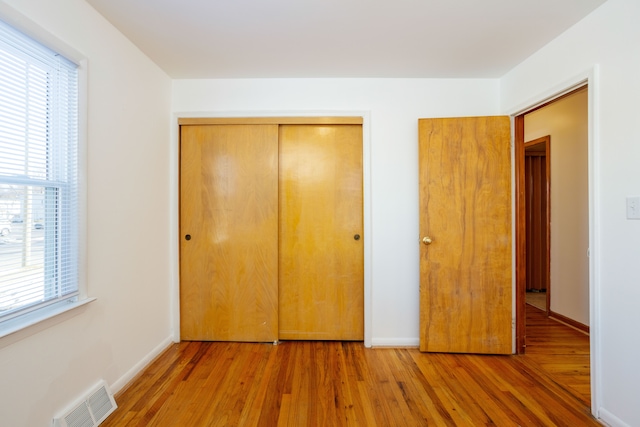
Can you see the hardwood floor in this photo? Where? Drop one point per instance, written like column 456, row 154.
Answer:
column 344, row 384
column 537, row 299
column 559, row 351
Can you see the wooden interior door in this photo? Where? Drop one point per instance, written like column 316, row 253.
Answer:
column 537, row 189
column 229, row 227
column 321, row 285
column 465, row 224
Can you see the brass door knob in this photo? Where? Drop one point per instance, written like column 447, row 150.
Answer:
column 427, row 240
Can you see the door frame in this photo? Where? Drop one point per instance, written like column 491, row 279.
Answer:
column 588, row 78
column 174, row 198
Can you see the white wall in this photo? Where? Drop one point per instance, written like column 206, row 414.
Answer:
column 129, row 144
column 609, row 37
column 394, row 106
column 566, row 122
column 45, row 368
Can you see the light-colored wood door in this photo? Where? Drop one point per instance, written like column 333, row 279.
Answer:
column 321, row 285
column 229, row 210
column 465, row 209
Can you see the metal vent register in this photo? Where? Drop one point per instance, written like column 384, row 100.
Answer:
column 91, row 411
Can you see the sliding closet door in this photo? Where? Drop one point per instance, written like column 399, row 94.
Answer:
column 321, row 233
column 229, row 232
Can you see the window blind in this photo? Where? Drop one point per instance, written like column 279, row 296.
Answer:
column 38, row 175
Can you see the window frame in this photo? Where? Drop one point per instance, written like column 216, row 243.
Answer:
column 23, row 325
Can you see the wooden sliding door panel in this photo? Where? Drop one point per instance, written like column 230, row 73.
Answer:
column 321, row 258
column 465, row 221
column 229, row 232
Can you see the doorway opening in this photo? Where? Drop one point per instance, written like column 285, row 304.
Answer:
column 560, row 213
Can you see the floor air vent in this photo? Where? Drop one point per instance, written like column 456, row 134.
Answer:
column 91, row 411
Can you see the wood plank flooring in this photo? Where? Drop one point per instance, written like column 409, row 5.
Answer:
column 344, row 384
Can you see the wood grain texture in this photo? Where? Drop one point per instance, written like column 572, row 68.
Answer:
column 321, row 282
column 535, row 170
column 229, row 207
column 317, row 383
column 537, row 194
column 520, row 234
column 560, row 351
column 465, row 207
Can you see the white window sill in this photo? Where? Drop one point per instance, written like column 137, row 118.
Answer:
column 20, row 323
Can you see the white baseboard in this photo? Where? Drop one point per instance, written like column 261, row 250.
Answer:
column 611, row 420
column 395, row 342
column 138, row 367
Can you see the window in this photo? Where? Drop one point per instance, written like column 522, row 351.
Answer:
column 38, row 176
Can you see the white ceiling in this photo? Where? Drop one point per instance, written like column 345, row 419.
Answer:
column 341, row 38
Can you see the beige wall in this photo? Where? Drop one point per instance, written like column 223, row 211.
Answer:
column 566, row 121
column 45, row 368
